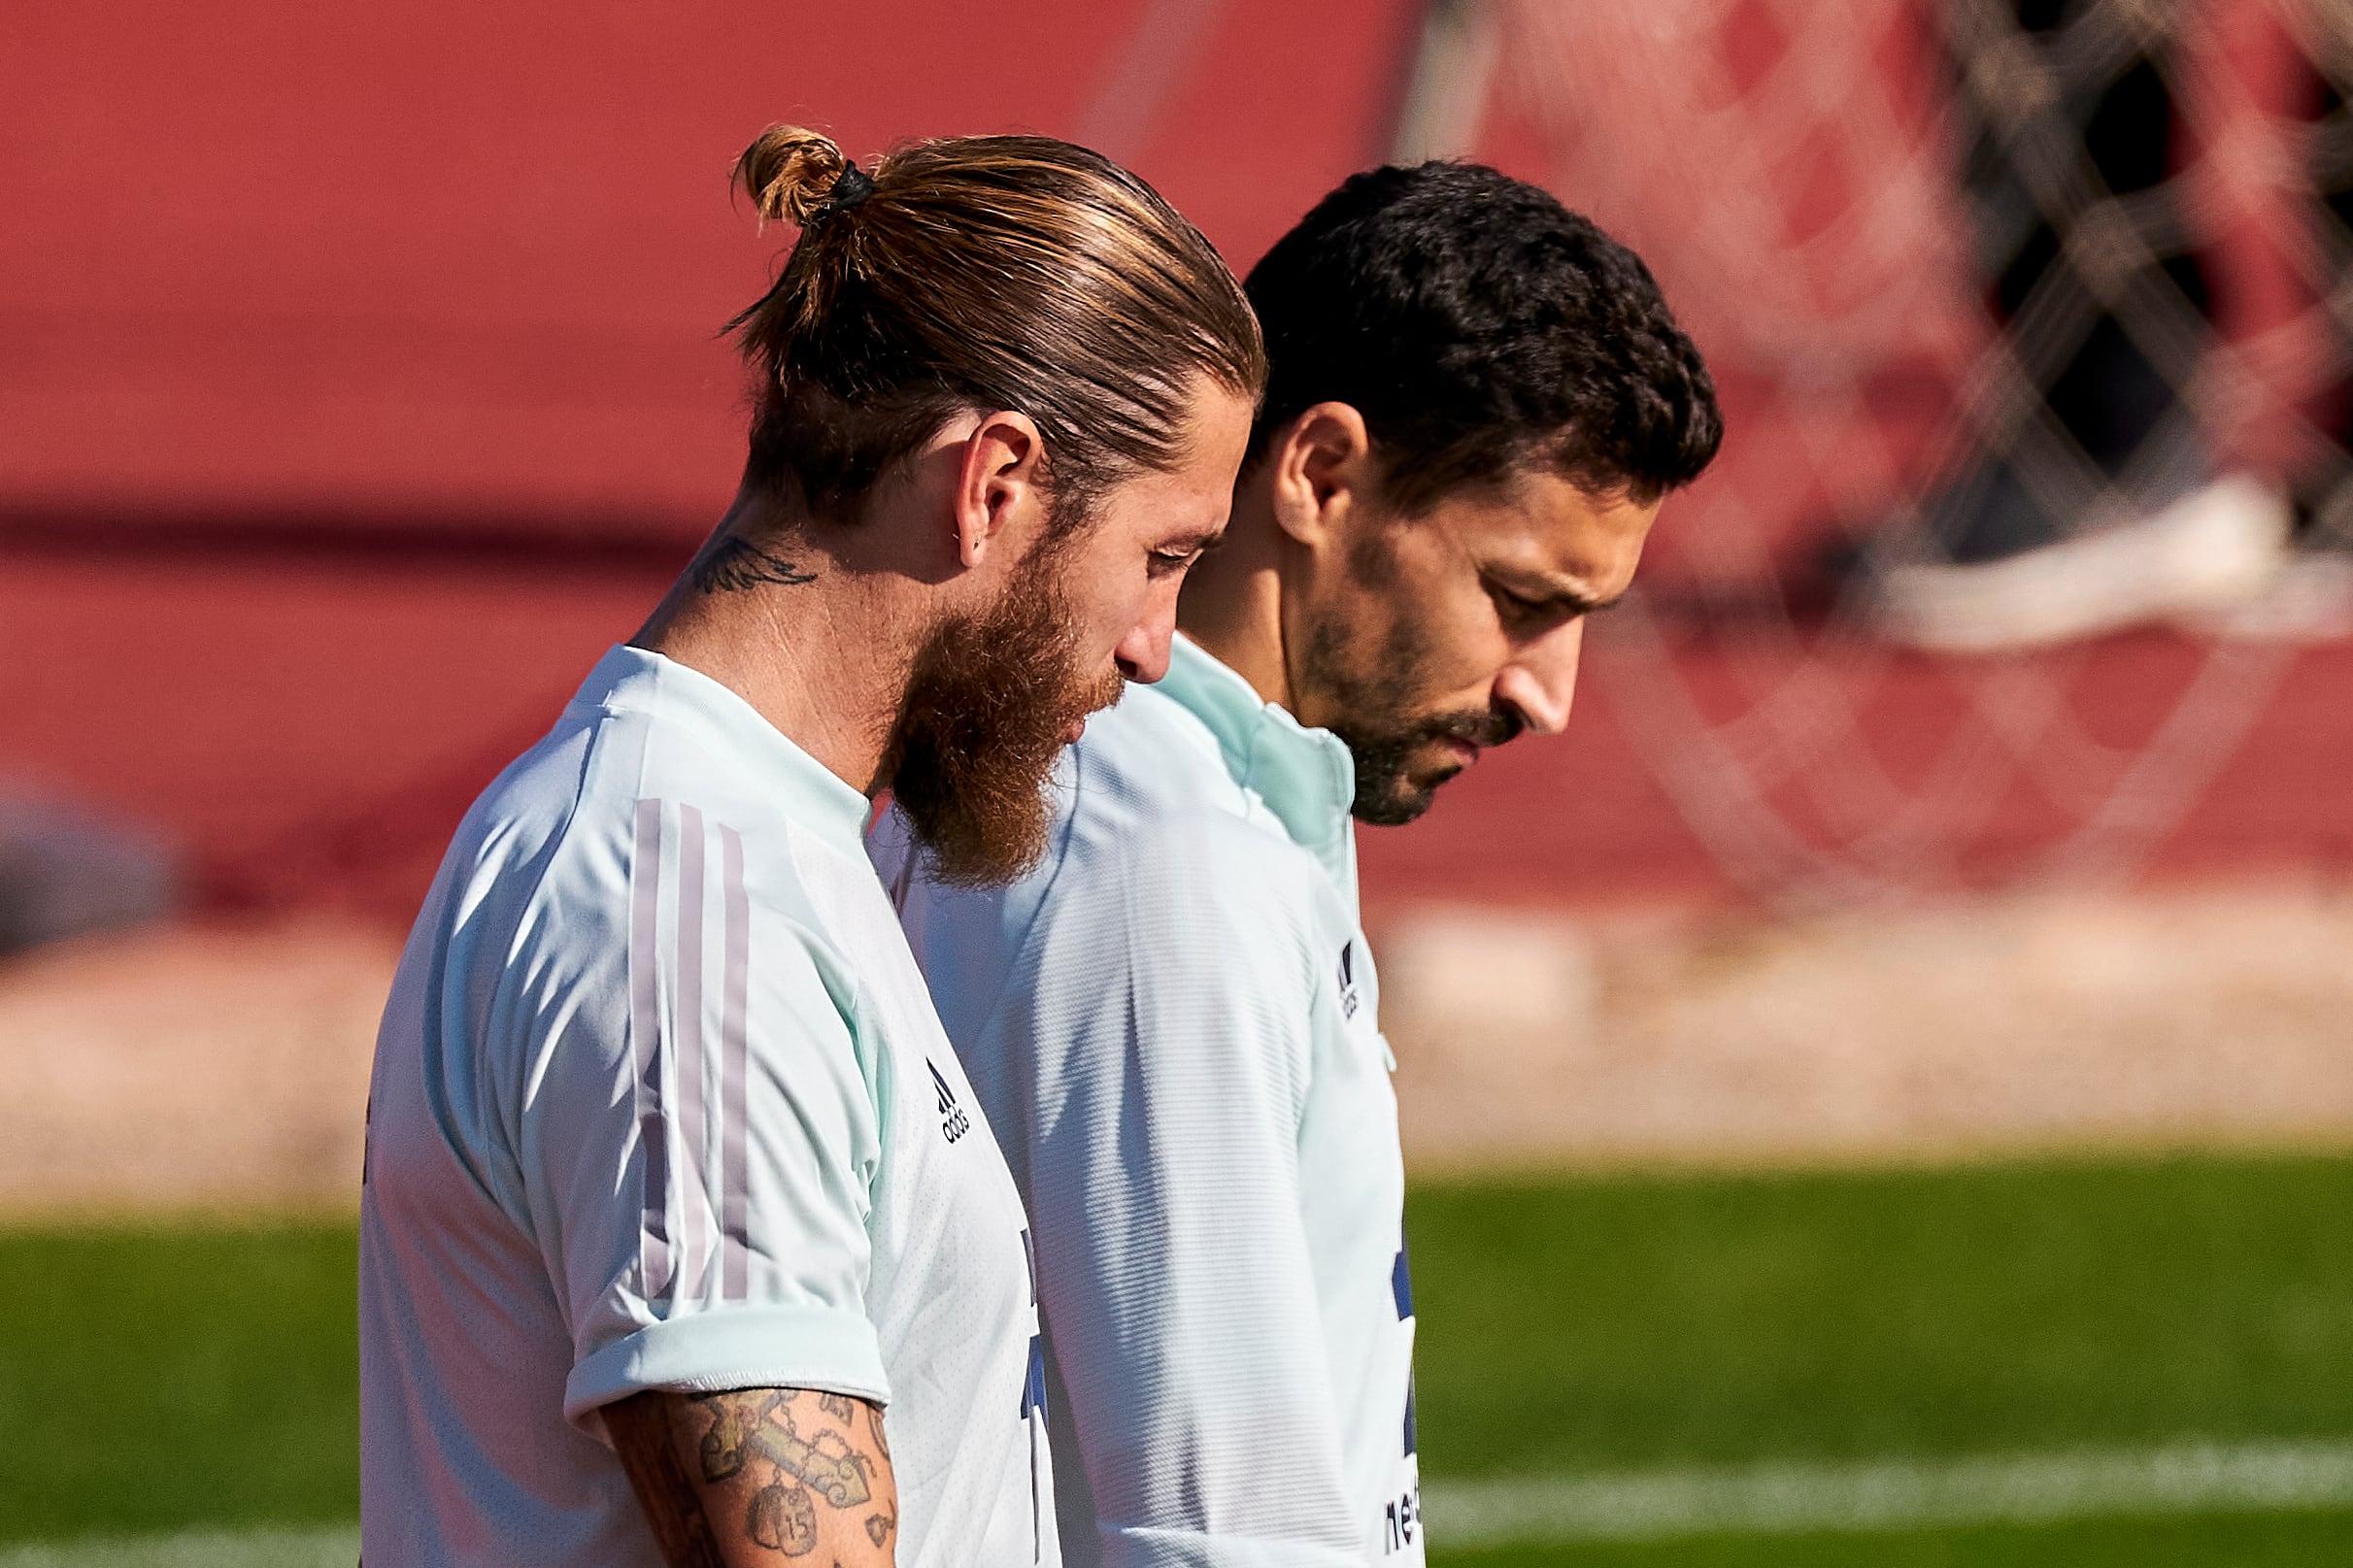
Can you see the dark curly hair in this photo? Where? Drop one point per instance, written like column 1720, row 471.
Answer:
column 1479, row 325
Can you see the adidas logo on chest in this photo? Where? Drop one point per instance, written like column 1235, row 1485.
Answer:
column 953, row 1123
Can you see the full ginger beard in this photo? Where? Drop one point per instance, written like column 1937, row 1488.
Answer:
column 990, row 702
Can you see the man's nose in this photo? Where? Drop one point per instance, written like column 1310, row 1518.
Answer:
column 1143, row 653
column 1541, row 684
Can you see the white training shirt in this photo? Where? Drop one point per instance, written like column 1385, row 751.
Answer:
column 660, row 1102
column 1172, row 1025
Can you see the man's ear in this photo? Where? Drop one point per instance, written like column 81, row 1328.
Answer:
column 998, row 485
column 1323, row 469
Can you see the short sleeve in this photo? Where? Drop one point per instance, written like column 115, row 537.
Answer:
column 700, row 1138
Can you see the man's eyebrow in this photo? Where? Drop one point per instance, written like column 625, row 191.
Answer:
column 1204, row 540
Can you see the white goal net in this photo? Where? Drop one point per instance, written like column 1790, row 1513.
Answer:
column 2031, row 318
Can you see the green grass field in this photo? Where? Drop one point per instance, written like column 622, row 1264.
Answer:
column 2258, row 1541
column 157, row 1379
column 1615, row 1326
column 201, row 1376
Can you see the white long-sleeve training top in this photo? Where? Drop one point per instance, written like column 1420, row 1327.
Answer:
column 1172, row 1026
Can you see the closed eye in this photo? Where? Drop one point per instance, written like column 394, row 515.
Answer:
column 1541, row 609
column 1527, row 609
column 1173, row 557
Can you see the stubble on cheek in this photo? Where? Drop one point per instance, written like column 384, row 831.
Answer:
column 1375, row 690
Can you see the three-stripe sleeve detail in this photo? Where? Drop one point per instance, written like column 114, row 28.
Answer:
column 645, row 1040
column 696, row 1227
column 707, row 1253
column 735, row 1149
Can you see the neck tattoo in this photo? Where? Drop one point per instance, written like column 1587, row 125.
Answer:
column 734, row 564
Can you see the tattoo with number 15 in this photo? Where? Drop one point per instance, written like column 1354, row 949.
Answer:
column 738, row 1475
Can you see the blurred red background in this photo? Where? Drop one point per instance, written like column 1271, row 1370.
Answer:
column 359, row 381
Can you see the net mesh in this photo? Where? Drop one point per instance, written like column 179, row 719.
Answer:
column 1984, row 282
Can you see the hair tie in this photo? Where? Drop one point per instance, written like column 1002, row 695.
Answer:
column 853, row 186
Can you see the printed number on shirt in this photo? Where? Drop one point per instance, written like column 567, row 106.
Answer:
column 1404, row 1515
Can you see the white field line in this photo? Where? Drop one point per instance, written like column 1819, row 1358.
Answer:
column 195, row 1548
column 1787, row 1499
column 1766, row 1499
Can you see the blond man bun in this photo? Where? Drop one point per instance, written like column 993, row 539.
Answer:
column 789, row 173
column 978, row 272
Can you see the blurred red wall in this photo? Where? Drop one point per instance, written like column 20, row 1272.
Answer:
column 359, row 383
column 418, row 259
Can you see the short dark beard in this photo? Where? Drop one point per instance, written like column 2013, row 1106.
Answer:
column 1370, row 713
column 1390, row 793
column 987, row 704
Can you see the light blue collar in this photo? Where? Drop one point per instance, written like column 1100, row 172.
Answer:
column 1305, row 776
column 810, row 793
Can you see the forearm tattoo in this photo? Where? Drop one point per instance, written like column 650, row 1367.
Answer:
column 735, row 563
column 768, row 1460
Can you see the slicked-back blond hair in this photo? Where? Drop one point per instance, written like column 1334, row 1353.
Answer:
column 991, row 271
